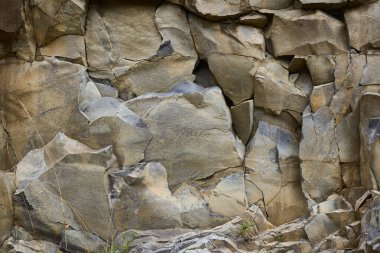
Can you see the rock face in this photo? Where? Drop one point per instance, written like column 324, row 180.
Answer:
column 189, row 126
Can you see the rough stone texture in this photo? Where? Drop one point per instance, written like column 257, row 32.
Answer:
column 242, row 120
column 363, row 25
column 6, row 205
column 274, row 91
column 299, row 32
column 232, row 74
column 210, row 37
column 171, row 114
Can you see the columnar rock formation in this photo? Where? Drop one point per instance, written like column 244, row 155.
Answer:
column 189, row 125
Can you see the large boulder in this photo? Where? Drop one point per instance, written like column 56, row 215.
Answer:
column 299, row 32
column 64, row 186
column 186, row 123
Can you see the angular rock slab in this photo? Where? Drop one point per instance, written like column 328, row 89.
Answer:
column 242, row 120
column 273, row 167
column 363, row 25
column 64, row 186
column 143, row 198
column 186, row 124
column 299, row 32
column 369, row 235
column 232, row 74
column 211, row 37
column 41, row 99
column 6, row 205
column 58, row 18
column 274, row 91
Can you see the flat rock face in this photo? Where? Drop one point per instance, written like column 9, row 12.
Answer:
column 306, row 33
column 6, row 205
column 210, row 37
column 180, row 110
column 46, row 203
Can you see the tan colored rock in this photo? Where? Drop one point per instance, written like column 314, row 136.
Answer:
column 319, row 227
column 232, row 74
column 157, row 75
column 69, row 47
column 322, row 34
column 262, row 4
column 202, row 120
column 242, row 120
column 52, row 20
column 273, row 167
column 6, row 205
column 211, row 37
column 42, row 100
column 254, row 19
column 46, row 204
column 348, row 137
column 173, row 26
column 321, row 68
column 326, row 4
column 274, row 91
column 363, row 28
column 33, row 246
column 143, row 199
column 370, row 226
column 322, row 96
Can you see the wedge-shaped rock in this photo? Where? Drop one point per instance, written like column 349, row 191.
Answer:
column 371, row 75
column 30, row 246
column 186, row 123
column 254, row 19
column 322, row 96
column 274, row 91
column 270, row 5
column 273, row 167
column 242, row 120
column 300, row 32
column 171, row 21
column 70, row 48
column 54, row 19
column 363, row 25
column 41, row 100
column 61, row 186
column 210, row 37
column 319, row 227
column 322, row 68
column 143, row 198
column 157, row 75
column 232, row 74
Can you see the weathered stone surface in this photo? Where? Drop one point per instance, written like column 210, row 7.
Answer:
column 369, row 235
column 274, row 91
column 211, row 37
column 54, row 19
column 6, row 205
column 329, row 4
column 322, row 96
column 371, row 75
column 242, row 120
column 199, row 115
column 47, row 204
column 322, row 69
column 69, row 47
column 273, row 167
column 144, row 199
column 254, row 19
column 81, row 241
column 40, row 99
column 348, row 137
column 299, row 32
column 156, row 75
column 232, row 74
column 363, row 26
column 173, row 26
column 319, row 227
column 33, row 246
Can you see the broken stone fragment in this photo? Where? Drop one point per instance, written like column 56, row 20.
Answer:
column 69, row 47
column 322, row 96
column 242, row 120
column 290, row 34
column 226, row 38
column 274, row 91
column 254, row 19
column 319, row 227
column 321, row 68
column 6, row 205
column 232, row 74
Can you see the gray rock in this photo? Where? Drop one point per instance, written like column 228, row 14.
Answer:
column 242, row 120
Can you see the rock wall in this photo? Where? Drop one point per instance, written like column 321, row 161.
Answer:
column 125, row 124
